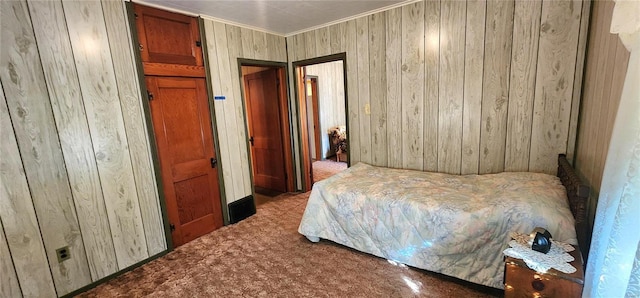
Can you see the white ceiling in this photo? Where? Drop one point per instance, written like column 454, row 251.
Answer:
column 279, row 17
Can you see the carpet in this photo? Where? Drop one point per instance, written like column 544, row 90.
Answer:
column 264, row 256
column 323, row 169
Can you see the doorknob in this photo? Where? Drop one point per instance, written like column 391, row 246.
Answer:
column 214, row 162
column 251, row 140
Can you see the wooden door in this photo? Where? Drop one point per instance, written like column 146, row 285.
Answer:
column 182, row 126
column 167, row 37
column 313, row 87
column 265, row 134
column 307, row 163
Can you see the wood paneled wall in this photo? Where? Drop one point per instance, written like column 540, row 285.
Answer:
column 460, row 86
column 225, row 44
column 330, row 100
column 75, row 167
column 605, row 70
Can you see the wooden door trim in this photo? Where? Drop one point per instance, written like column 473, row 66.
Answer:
column 285, row 113
column 214, row 126
column 297, row 81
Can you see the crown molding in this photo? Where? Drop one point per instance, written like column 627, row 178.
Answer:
column 353, row 17
column 207, row 17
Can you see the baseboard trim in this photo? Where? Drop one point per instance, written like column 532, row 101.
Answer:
column 241, row 209
column 114, row 275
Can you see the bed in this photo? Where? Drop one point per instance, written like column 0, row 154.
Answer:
column 450, row 224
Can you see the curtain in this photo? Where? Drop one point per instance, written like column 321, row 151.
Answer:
column 613, row 269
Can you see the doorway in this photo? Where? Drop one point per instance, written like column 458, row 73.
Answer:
column 268, row 126
column 322, row 101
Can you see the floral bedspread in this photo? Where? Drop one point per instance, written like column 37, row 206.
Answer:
column 454, row 225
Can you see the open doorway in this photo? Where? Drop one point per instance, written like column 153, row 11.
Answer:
column 269, row 136
column 321, row 95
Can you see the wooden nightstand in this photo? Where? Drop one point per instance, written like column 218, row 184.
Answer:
column 521, row 281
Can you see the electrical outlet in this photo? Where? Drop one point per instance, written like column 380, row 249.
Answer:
column 63, row 254
column 367, row 109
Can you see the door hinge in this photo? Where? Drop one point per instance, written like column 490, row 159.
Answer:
column 198, row 43
column 214, row 162
column 172, row 227
column 149, row 95
column 135, row 15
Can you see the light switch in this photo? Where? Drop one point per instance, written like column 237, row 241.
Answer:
column 367, row 109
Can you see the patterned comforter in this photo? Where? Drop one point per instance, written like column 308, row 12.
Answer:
column 454, row 225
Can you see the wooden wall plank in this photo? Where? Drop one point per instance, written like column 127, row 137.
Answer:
column 71, row 121
column 603, row 135
column 353, row 133
column 451, row 85
column 589, row 103
column 136, row 129
column 362, row 43
column 310, row 44
column 260, row 45
column 394, row 87
column 273, row 52
column 91, row 50
column 225, row 159
column 620, row 65
column 323, row 43
column 227, row 60
column 300, row 46
column 577, row 82
column 473, row 71
column 495, row 93
column 598, row 108
column 241, row 138
column 338, row 35
column 246, row 37
column 559, row 30
column 378, row 88
column 9, row 286
column 431, row 85
column 524, row 60
column 413, row 76
column 34, row 126
column 590, row 151
column 280, row 49
column 17, row 213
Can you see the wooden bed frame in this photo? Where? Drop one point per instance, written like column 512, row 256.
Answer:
column 578, row 195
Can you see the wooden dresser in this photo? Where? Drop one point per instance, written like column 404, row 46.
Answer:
column 521, row 281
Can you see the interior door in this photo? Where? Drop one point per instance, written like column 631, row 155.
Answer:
column 313, row 83
column 182, row 126
column 265, row 135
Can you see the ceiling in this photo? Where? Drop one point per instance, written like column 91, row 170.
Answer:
column 279, row 17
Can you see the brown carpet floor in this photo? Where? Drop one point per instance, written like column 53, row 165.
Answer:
column 264, row 256
column 323, row 169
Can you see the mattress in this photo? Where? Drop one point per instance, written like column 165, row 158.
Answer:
column 450, row 224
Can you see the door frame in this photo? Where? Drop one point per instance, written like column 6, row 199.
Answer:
column 302, row 135
column 285, row 113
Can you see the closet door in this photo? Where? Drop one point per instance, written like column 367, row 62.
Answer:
column 182, row 126
column 167, row 37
